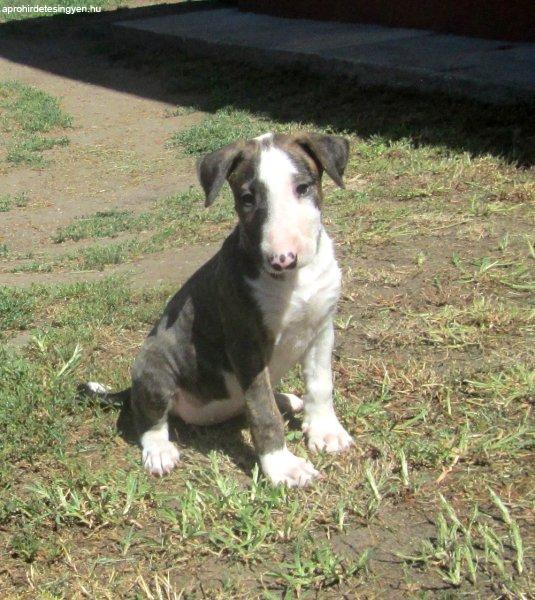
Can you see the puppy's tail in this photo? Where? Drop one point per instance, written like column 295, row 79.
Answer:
column 100, row 392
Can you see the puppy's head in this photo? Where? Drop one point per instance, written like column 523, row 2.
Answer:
column 276, row 182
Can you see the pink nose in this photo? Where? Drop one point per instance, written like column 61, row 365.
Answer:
column 281, row 262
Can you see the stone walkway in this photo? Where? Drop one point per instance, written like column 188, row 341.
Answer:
column 490, row 70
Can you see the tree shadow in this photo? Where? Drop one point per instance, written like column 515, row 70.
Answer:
column 83, row 46
column 226, row 437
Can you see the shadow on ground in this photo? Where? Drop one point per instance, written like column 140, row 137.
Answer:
column 225, row 436
column 211, row 82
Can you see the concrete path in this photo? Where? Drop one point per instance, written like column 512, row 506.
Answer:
column 494, row 71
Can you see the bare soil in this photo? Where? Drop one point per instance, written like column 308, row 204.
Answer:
column 116, row 159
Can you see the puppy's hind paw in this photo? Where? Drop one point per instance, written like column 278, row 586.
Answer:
column 160, row 457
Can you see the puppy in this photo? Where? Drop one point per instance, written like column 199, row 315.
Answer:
column 262, row 304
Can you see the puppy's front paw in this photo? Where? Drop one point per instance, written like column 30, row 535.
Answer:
column 326, row 434
column 160, row 457
column 283, row 467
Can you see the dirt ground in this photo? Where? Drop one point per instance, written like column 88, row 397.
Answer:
column 116, row 160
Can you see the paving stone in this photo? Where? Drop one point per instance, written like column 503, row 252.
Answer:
column 433, row 52
column 492, row 70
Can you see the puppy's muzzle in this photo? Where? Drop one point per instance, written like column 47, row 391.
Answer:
column 283, row 262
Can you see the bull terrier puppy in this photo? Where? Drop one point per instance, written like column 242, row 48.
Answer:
column 262, row 304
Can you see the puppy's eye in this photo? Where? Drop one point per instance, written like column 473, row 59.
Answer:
column 247, row 200
column 302, row 189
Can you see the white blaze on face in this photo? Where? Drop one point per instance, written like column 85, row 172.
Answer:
column 292, row 223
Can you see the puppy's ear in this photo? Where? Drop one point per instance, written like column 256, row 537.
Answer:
column 330, row 152
column 215, row 167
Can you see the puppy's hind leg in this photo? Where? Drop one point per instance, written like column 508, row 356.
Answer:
column 160, row 455
column 150, row 400
column 289, row 403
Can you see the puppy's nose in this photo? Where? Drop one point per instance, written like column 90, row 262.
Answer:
column 281, row 262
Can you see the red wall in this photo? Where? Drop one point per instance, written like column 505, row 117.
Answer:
column 498, row 19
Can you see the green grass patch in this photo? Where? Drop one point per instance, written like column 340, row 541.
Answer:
column 172, row 222
column 28, row 151
column 464, row 549
column 26, row 115
column 9, row 201
column 101, row 224
column 514, row 272
column 223, row 127
column 479, row 324
column 98, row 257
column 32, row 110
column 16, row 308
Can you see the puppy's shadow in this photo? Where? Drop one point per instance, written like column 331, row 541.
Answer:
column 226, row 437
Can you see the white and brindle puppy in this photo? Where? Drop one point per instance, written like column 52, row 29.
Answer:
column 262, row 304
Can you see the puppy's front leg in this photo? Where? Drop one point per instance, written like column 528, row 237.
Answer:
column 267, row 429
column 320, row 423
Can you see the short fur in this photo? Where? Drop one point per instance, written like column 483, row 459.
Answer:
column 245, row 318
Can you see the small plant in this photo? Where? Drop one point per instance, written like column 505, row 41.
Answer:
column 89, row 502
column 420, row 259
column 514, row 531
column 25, row 545
column 404, row 468
column 314, row 567
column 462, row 550
column 8, row 201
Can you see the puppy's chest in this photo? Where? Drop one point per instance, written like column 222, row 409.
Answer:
column 301, row 311
column 294, row 315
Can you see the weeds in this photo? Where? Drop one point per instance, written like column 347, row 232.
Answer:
column 471, row 549
column 9, row 201
column 313, row 568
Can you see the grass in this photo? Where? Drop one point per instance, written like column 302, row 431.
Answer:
column 17, row 307
column 9, row 201
column 28, row 151
column 26, row 115
column 221, row 128
column 465, row 551
column 412, row 421
column 434, row 375
column 101, row 224
column 171, row 222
